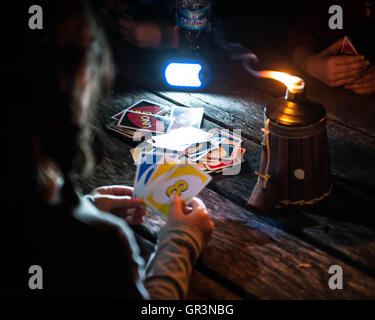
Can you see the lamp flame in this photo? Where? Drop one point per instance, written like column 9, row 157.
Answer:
column 293, row 83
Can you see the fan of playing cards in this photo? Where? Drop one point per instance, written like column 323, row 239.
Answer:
column 159, row 176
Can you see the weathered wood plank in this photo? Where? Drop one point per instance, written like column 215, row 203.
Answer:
column 346, row 145
column 262, row 259
column 201, row 287
column 238, row 189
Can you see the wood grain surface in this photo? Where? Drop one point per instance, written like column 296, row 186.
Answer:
column 284, row 255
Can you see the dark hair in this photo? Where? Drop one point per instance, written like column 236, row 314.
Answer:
column 69, row 52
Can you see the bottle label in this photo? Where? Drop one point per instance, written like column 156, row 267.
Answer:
column 193, row 19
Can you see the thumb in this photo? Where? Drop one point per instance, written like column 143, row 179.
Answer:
column 176, row 205
column 333, row 48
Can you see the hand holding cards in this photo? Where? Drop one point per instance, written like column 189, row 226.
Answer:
column 158, row 177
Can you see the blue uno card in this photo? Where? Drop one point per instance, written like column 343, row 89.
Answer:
column 149, row 162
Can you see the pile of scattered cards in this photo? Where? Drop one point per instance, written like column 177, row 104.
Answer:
column 211, row 151
column 150, row 117
column 175, row 132
column 215, row 156
column 158, row 176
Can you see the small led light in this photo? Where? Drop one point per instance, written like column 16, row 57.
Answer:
column 183, row 74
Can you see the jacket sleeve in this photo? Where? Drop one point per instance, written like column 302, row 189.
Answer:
column 123, row 264
column 169, row 269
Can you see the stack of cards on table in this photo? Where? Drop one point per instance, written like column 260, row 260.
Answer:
column 158, row 176
column 211, row 151
column 225, row 151
column 147, row 116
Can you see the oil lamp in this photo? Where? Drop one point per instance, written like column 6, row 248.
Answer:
column 294, row 166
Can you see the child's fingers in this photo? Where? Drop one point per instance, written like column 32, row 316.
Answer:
column 116, row 190
column 341, row 82
column 176, row 206
column 346, row 74
column 196, row 203
column 344, row 60
column 356, row 66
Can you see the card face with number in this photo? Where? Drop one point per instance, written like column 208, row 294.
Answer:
column 185, row 180
column 347, row 47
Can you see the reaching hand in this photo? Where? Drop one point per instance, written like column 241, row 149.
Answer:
column 196, row 215
column 119, row 201
column 335, row 70
column 365, row 84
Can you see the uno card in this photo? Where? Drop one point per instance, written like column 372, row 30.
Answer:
column 347, row 47
column 186, row 117
column 228, row 148
column 117, row 116
column 125, row 132
column 226, row 135
column 149, row 161
column 139, row 149
column 186, row 180
column 217, row 164
column 142, row 121
column 180, row 139
column 199, row 150
column 148, row 107
column 225, row 151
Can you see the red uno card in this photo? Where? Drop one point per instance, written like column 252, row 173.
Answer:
column 144, row 106
column 347, row 47
column 148, row 107
column 143, row 121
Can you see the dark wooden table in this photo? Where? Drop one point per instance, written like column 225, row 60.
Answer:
column 287, row 254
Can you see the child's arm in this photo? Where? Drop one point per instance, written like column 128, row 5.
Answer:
column 180, row 243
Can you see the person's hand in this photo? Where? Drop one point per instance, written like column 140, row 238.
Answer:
column 119, row 201
column 335, row 70
column 195, row 214
column 150, row 34
column 365, row 84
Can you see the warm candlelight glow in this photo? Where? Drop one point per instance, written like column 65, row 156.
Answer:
column 293, row 83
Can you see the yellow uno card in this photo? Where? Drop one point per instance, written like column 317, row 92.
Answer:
column 186, row 180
